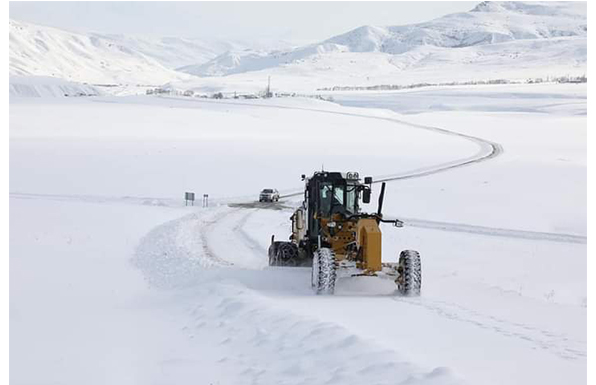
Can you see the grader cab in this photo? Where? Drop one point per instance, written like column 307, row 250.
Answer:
column 331, row 233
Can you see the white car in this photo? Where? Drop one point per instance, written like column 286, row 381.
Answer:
column 269, row 195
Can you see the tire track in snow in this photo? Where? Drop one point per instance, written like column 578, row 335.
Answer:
column 495, row 231
column 555, row 343
column 248, row 240
column 140, row 200
column 252, row 254
column 204, row 232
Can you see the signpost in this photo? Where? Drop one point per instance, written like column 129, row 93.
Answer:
column 189, row 197
column 205, row 200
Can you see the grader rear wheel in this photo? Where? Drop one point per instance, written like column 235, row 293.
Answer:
column 409, row 280
column 283, row 254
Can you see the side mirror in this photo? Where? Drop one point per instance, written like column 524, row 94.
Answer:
column 366, row 195
column 303, row 176
column 368, row 180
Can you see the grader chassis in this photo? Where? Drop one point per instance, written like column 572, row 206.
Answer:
column 331, row 234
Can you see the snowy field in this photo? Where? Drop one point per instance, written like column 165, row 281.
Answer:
column 114, row 281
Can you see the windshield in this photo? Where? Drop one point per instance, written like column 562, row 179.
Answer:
column 267, row 190
column 337, row 198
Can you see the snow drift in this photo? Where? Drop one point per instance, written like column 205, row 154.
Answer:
column 42, row 86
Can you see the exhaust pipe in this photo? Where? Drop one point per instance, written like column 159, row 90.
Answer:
column 381, row 197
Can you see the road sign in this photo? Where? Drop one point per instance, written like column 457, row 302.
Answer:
column 189, row 197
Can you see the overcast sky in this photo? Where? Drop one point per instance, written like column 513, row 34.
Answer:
column 293, row 21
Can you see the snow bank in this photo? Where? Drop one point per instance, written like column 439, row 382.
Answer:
column 48, row 87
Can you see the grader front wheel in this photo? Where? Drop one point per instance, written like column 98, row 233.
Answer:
column 409, row 280
column 323, row 271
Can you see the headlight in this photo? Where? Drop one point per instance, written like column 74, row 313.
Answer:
column 352, row 176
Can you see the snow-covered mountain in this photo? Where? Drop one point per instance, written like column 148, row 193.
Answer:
column 173, row 52
column 487, row 23
column 237, row 61
column 494, row 40
column 44, row 51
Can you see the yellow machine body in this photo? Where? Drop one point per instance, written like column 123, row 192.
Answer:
column 369, row 239
column 355, row 240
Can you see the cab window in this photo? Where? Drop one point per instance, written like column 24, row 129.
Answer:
column 325, row 201
column 351, row 199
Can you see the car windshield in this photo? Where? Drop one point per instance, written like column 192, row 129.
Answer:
column 267, row 191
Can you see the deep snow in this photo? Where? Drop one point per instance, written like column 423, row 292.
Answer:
column 113, row 280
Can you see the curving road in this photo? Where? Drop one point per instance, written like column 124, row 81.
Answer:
column 487, row 150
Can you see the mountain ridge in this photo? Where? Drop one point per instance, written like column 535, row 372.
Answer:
column 487, row 23
column 46, row 51
column 494, row 40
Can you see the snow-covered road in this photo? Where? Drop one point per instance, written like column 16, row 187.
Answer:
column 452, row 317
column 499, row 304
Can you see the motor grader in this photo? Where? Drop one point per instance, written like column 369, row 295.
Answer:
column 332, row 234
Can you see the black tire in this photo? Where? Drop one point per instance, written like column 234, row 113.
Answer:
column 409, row 280
column 283, row 254
column 324, row 272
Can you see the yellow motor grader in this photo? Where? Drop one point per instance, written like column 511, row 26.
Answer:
column 331, row 233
